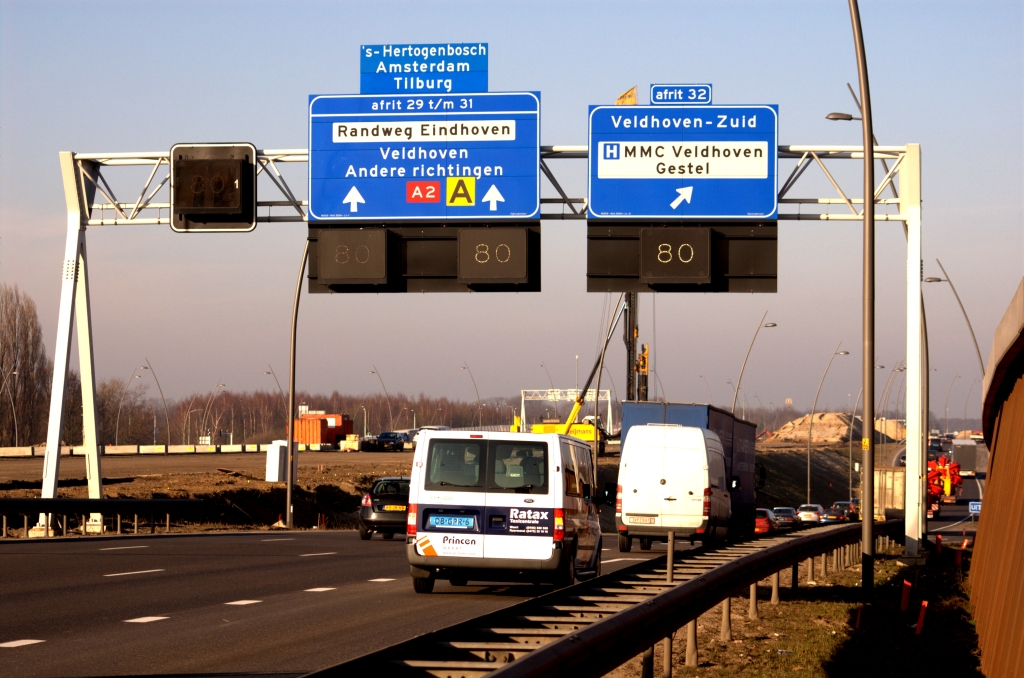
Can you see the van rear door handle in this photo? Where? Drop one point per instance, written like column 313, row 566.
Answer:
column 670, row 498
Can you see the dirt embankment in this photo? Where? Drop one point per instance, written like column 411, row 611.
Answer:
column 831, row 428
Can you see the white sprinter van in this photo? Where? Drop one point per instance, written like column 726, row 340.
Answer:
column 671, row 477
column 501, row 507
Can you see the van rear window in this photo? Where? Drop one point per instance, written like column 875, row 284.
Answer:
column 487, row 466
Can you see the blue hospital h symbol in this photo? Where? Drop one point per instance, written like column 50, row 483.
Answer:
column 611, row 151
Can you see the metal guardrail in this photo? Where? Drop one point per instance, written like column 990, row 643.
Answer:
column 63, row 505
column 592, row 627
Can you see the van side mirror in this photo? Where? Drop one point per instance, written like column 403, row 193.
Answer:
column 586, row 491
column 736, row 484
column 610, row 490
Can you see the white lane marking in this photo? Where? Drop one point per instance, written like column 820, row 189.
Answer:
column 19, row 643
column 288, row 539
column 143, row 620
column 243, row 602
column 619, row 560
column 306, row 555
column 981, row 489
column 321, row 589
column 122, row 574
column 942, row 529
column 380, row 580
column 122, row 548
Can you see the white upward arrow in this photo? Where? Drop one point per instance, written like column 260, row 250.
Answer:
column 493, row 196
column 685, row 193
column 353, row 199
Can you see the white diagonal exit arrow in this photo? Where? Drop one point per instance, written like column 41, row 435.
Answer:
column 685, row 193
column 353, row 199
column 493, row 196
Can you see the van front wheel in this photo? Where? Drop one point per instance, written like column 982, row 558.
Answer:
column 625, row 543
column 645, row 543
column 423, row 585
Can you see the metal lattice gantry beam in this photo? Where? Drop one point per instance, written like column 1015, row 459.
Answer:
column 92, row 201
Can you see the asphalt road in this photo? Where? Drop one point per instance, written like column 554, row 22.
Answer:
column 246, row 604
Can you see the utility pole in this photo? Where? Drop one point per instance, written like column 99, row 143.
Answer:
column 631, row 331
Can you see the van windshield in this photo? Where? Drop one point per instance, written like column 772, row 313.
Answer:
column 487, row 466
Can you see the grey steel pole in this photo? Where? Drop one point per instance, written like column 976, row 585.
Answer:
column 810, row 422
column 949, row 391
column 167, row 418
column 739, row 380
column 479, row 414
column 290, row 423
column 977, row 350
column 867, row 443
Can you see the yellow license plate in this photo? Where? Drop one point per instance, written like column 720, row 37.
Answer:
column 394, row 507
column 636, row 520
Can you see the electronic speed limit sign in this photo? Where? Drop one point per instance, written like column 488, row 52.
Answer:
column 675, row 255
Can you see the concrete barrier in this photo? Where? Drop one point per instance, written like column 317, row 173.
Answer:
column 152, row 449
column 205, row 449
column 181, row 449
column 252, row 448
column 230, row 449
column 16, row 451
column 119, row 449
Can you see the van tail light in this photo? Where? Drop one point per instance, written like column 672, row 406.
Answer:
column 366, row 500
column 707, row 502
column 410, row 522
column 618, row 500
column 559, row 525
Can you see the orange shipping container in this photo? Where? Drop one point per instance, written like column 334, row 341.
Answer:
column 322, row 429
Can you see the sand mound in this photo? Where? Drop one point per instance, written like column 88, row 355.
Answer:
column 829, row 428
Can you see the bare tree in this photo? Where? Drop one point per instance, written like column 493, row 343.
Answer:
column 24, row 370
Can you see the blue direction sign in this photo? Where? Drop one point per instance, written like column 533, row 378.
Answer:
column 684, row 162
column 420, row 157
column 974, row 507
column 416, row 69
column 680, row 94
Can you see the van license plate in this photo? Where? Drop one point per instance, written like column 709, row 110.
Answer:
column 641, row 520
column 394, row 507
column 458, row 522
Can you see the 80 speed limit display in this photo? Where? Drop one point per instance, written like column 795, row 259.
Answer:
column 675, row 255
column 353, row 255
column 492, row 255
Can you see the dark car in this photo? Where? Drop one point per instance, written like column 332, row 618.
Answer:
column 851, row 508
column 385, row 508
column 389, row 441
column 836, row 514
column 786, row 517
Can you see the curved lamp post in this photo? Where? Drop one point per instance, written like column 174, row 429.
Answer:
column 14, row 412
column 391, row 417
column 711, row 398
column 810, row 422
column 206, row 410
column 465, row 366
column 953, row 381
column 167, row 418
column 962, row 310
column 736, row 391
column 117, row 423
column 967, row 399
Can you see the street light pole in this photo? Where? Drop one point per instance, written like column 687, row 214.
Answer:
column 962, row 310
column 967, row 399
column 810, row 422
column 711, row 398
column 167, row 418
column 868, row 372
column 465, row 366
column 736, row 389
column 10, row 395
column 117, row 423
column 391, row 417
column 953, row 381
column 202, row 422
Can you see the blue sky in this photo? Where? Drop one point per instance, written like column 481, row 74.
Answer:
column 129, row 76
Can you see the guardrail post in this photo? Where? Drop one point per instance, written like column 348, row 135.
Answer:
column 691, row 643
column 647, row 663
column 152, row 524
column 119, row 523
column 810, row 570
column 666, row 657
column 670, row 566
column 5, row 528
column 775, row 588
column 64, row 526
column 824, row 565
column 47, row 525
column 794, row 573
column 136, row 524
column 726, row 633
column 26, row 525
column 168, row 523
column 752, row 612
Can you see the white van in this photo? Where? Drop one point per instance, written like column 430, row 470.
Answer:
column 489, row 506
column 671, row 477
